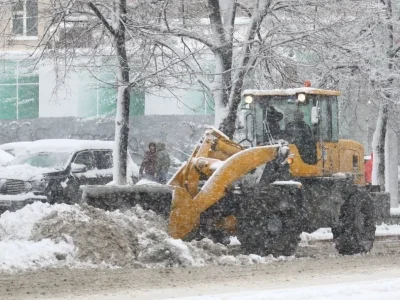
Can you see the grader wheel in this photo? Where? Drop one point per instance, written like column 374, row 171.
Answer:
column 263, row 231
column 355, row 232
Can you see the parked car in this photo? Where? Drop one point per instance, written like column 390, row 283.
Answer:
column 5, row 157
column 15, row 148
column 53, row 170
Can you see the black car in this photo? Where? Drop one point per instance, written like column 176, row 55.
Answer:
column 53, row 170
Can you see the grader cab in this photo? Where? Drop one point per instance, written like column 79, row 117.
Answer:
column 288, row 172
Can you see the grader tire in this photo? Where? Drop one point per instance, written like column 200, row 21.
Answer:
column 263, row 232
column 355, row 232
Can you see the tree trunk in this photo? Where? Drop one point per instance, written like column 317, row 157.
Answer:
column 378, row 145
column 379, row 139
column 123, row 99
column 228, row 125
column 219, row 92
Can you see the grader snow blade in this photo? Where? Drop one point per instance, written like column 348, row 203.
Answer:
column 156, row 197
column 219, row 162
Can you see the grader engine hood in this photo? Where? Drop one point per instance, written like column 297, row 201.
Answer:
column 219, row 162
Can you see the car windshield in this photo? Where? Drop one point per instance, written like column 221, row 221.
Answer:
column 55, row 160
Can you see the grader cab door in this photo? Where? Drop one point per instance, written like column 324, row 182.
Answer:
column 328, row 134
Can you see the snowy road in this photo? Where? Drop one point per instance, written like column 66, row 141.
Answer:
column 383, row 289
column 325, row 275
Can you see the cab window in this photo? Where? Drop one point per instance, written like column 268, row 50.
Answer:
column 85, row 158
column 329, row 126
column 103, row 159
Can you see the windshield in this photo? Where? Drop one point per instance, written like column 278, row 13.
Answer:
column 275, row 117
column 55, row 160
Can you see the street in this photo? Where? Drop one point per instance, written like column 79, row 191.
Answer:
column 321, row 266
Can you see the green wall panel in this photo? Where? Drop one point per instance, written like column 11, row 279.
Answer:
column 137, row 104
column 8, row 102
column 28, row 101
column 87, row 105
column 107, row 101
column 24, row 75
column 8, row 71
column 27, row 73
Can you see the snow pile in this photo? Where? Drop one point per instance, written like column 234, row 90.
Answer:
column 18, row 252
column 23, row 255
column 18, row 225
column 43, row 235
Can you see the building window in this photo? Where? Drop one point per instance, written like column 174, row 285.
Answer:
column 19, row 90
column 100, row 100
column 25, row 18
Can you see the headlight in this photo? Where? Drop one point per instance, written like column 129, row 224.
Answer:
column 248, row 99
column 38, row 186
column 301, row 97
column 3, row 184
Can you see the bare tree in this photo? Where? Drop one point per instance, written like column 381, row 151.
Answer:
column 117, row 29
column 387, row 86
column 88, row 47
column 246, row 43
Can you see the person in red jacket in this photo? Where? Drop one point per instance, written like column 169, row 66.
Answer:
column 149, row 163
column 368, row 170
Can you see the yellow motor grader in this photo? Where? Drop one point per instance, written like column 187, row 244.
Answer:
column 288, row 172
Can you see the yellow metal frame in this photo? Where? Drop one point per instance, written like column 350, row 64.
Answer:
column 189, row 202
column 333, row 158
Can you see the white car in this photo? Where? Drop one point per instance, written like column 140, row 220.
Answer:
column 53, row 170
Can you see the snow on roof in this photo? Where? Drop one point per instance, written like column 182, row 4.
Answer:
column 69, row 145
column 5, row 157
column 15, row 145
column 15, row 148
column 277, row 92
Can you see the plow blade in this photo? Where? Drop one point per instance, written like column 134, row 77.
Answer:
column 155, row 197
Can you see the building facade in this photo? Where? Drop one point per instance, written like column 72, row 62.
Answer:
column 32, row 86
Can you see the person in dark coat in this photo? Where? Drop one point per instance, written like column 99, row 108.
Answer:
column 149, row 163
column 273, row 117
column 300, row 134
column 163, row 163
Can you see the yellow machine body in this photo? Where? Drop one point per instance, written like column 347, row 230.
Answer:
column 217, row 162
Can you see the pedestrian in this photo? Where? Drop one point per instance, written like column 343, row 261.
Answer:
column 149, row 163
column 163, row 163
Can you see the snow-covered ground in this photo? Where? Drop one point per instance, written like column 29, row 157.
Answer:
column 385, row 289
column 395, row 211
column 326, row 233
column 43, row 235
